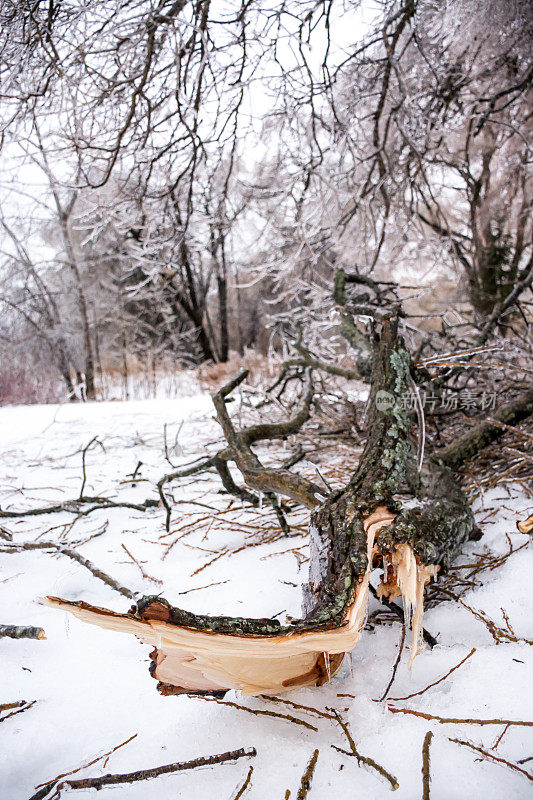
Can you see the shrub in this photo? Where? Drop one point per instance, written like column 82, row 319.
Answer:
column 19, row 386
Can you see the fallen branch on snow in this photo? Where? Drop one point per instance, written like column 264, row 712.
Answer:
column 21, row 632
column 144, row 774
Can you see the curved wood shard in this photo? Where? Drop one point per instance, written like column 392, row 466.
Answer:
column 525, row 525
column 202, row 660
column 406, row 577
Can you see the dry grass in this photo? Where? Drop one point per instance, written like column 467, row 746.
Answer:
column 262, row 368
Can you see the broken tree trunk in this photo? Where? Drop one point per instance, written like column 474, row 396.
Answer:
column 353, row 530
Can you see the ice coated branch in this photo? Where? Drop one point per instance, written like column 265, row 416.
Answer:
column 21, row 632
column 76, row 506
column 353, row 529
column 485, row 432
column 75, row 556
column 262, row 479
column 144, row 774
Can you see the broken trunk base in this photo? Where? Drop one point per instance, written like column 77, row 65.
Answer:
column 198, row 657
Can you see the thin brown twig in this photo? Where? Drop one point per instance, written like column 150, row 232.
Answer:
column 511, row 428
column 500, row 737
column 207, row 586
column 426, row 778
column 18, row 711
column 360, row 758
column 14, row 704
column 307, row 777
column 142, row 571
column 245, row 785
column 440, row 680
column 459, row 720
column 75, row 556
column 257, row 711
column 492, row 757
column 84, row 766
column 498, row 634
column 395, row 667
column 73, row 507
column 333, row 715
column 208, row 563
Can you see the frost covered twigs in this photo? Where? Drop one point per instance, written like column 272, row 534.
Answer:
column 395, row 667
column 492, row 757
column 90, row 763
column 426, row 777
column 361, row 759
column 259, row 712
column 307, row 777
column 332, row 715
column 498, row 633
column 139, row 565
column 75, row 556
column 261, row 479
column 20, row 706
column 79, row 504
column 459, row 720
column 76, row 506
column 245, row 785
column 143, row 775
column 435, row 683
column 21, row 632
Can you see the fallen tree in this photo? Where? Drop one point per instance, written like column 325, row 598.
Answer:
column 400, row 511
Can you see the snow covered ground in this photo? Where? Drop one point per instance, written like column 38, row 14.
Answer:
column 92, row 688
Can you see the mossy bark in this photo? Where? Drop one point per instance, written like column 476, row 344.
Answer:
column 436, row 529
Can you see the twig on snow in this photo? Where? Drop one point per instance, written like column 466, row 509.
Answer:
column 21, row 632
column 137, row 563
column 245, row 785
column 360, row 758
column 89, row 764
column 75, row 556
column 144, row 774
column 307, row 777
column 426, row 778
column 429, row 686
column 492, row 757
column 395, row 667
column 24, row 707
column 258, row 711
column 459, row 720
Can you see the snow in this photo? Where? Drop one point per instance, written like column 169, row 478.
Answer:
column 93, row 689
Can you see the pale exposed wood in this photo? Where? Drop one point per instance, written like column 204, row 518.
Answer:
column 404, row 576
column 203, row 660
column 525, row 525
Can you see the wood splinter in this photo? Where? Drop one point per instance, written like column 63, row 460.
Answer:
column 21, row 632
column 203, row 660
column 525, row 525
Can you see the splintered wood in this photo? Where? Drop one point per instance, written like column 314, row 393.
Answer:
column 206, row 661
column 189, row 659
column 405, row 577
column 525, row 525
